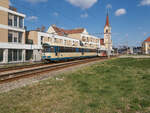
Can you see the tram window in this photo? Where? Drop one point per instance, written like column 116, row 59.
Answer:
column 80, row 50
column 87, row 50
column 62, row 49
column 77, row 49
column 83, row 50
column 73, row 49
column 52, row 49
column 68, row 49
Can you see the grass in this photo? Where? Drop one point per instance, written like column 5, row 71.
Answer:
column 114, row 86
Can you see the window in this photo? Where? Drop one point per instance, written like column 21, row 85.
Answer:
column 83, row 38
column 49, row 39
column 1, row 55
column 14, row 55
column 73, row 49
column 20, row 54
column 10, row 19
column 15, row 39
column 20, row 22
column 15, row 21
column 48, row 49
column 15, row 36
column 41, row 40
column 107, row 31
column 20, row 37
column 55, row 40
column 29, row 54
column 10, row 55
column 10, row 37
column 62, row 49
column 65, row 42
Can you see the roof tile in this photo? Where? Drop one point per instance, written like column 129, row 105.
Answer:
column 62, row 32
column 147, row 40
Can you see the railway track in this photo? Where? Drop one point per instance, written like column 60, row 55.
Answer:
column 20, row 67
column 12, row 75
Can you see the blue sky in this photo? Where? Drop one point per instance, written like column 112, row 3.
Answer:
column 130, row 19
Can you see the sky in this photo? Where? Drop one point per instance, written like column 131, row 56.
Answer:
column 129, row 19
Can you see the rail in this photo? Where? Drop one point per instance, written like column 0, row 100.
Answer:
column 34, row 71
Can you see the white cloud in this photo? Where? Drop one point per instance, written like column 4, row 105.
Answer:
column 56, row 14
column 84, row 4
column 120, row 12
column 36, row 1
column 109, row 6
column 85, row 15
column 32, row 18
column 144, row 2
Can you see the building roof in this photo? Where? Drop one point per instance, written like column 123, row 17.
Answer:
column 59, row 31
column 62, row 32
column 107, row 20
column 147, row 40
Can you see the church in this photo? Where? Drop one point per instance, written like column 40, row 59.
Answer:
column 106, row 43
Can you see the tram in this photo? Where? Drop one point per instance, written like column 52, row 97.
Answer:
column 58, row 53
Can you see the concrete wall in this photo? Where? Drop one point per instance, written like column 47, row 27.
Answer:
column 75, row 36
column 3, row 17
column 37, row 55
column 3, row 35
column 32, row 35
column 4, row 3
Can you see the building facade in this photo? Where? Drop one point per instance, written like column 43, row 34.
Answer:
column 81, row 34
column 146, row 46
column 13, row 45
column 52, row 39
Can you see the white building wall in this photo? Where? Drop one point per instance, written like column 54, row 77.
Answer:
column 23, row 56
column 37, row 55
column 5, row 56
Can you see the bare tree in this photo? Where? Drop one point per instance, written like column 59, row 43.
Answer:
column 43, row 29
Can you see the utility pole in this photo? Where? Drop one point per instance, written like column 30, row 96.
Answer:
column 127, row 43
column 109, row 49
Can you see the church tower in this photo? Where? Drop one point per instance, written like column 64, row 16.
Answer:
column 107, row 35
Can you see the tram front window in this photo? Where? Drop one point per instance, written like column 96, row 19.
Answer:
column 48, row 49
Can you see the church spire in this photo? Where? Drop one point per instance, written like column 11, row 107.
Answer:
column 107, row 20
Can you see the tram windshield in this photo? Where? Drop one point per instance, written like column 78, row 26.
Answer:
column 47, row 48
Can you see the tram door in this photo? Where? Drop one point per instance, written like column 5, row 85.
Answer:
column 56, row 50
column 82, row 51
